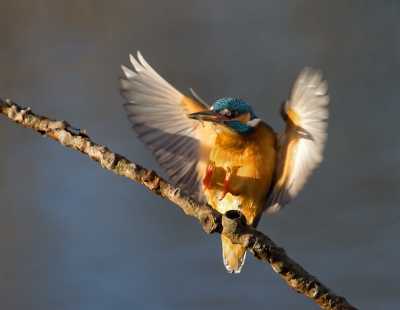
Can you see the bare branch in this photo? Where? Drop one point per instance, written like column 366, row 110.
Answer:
column 232, row 224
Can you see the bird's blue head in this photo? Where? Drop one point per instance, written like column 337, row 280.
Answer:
column 234, row 113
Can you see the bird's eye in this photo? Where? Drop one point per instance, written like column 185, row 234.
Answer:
column 234, row 114
column 229, row 114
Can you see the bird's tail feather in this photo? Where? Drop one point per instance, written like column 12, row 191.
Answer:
column 233, row 255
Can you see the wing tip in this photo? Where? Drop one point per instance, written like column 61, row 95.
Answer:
column 273, row 209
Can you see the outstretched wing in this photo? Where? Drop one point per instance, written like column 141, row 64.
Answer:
column 158, row 113
column 300, row 146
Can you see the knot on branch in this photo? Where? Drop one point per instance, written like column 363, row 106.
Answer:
column 110, row 162
column 15, row 112
column 152, row 181
column 8, row 103
column 50, row 125
column 233, row 222
column 150, row 176
column 234, row 217
column 210, row 223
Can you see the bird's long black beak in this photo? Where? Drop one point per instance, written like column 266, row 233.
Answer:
column 208, row 116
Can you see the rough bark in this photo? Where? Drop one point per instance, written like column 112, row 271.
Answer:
column 232, row 224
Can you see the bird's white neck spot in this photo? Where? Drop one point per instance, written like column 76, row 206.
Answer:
column 254, row 122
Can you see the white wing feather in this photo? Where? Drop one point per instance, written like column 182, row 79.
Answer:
column 159, row 115
column 300, row 146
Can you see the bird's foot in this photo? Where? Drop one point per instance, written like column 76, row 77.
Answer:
column 207, row 178
column 227, row 187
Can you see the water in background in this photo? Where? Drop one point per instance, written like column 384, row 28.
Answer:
column 75, row 236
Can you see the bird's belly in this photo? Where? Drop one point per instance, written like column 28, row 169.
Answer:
column 252, row 171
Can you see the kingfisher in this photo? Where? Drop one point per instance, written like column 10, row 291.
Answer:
column 224, row 155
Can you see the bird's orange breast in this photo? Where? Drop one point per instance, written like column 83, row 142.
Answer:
column 252, row 160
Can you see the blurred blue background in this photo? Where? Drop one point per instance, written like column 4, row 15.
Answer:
column 76, row 236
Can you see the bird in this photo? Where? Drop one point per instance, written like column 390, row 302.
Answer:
column 223, row 154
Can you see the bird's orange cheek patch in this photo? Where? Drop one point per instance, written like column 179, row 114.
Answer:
column 245, row 118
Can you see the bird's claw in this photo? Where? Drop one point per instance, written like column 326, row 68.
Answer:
column 227, row 187
column 207, row 178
